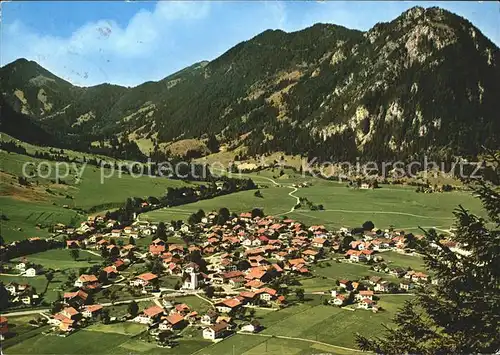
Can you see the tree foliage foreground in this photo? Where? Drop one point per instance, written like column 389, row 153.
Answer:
column 461, row 314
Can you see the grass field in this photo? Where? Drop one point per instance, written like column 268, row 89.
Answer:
column 329, row 324
column 59, row 260
column 347, row 271
column 391, row 205
column 310, row 325
column 125, row 328
column 24, row 216
column 316, row 284
column 394, row 259
column 102, row 341
column 275, row 201
column 82, row 342
column 38, row 282
column 195, row 303
column 27, row 206
column 246, row 344
column 399, row 206
column 22, row 330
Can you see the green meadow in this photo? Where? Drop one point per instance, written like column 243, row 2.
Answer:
column 399, row 206
column 23, row 217
column 46, row 203
column 275, row 201
column 60, row 259
column 391, row 205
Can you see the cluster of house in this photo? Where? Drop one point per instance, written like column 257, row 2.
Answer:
column 242, row 257
column 74, row 314
column 364, row 298
column 88, row 233
column 22, row 294
column 363, row 291
column 76, row 307
column 364, row 250
column 217, row 323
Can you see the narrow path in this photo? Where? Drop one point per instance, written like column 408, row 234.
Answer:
column 297, row 199
column 204, row 299
column 92, row 252
column 301, row 339
column 25, row 313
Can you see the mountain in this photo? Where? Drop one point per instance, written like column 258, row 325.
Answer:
column 425, row 82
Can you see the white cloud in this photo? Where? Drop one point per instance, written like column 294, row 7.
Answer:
column 175, row 34
column 85, row 56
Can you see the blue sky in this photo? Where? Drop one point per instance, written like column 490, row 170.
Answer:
column 130, row 42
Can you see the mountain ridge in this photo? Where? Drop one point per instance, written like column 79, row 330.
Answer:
column 424, row 81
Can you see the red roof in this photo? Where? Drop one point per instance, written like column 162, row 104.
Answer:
column 175, row 247
column 70, row 310
column 87, row 278
column 296, row 261
column 119, row 263
column 93, row 308
column 109, row 269
column 147, row 276
column 277, row 226
column 83, row 295
column 181, row 307
column 255, row 274
column 353, row 252
column 232, row 274
column 156, row 249
column 317, row 227
column 277, row 268
column 247, row 294
column 254, row 283
column 263, row 238
column 231, row 302
column 175, row 318
column 268, row 290
column 153, row 311
column 319, row 240
column 310, row 252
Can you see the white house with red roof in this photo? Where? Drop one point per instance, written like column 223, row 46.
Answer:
column 228, row 305
column 144, row 279
column 150, row 315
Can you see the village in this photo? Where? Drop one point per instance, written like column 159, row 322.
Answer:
column 249, row 262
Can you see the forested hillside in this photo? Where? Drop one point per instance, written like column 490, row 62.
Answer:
column 426, row 82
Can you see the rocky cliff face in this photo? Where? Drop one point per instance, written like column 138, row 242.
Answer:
column 426, row 81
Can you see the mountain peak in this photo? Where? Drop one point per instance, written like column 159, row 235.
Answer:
column 23, row 70
column 425, row 81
